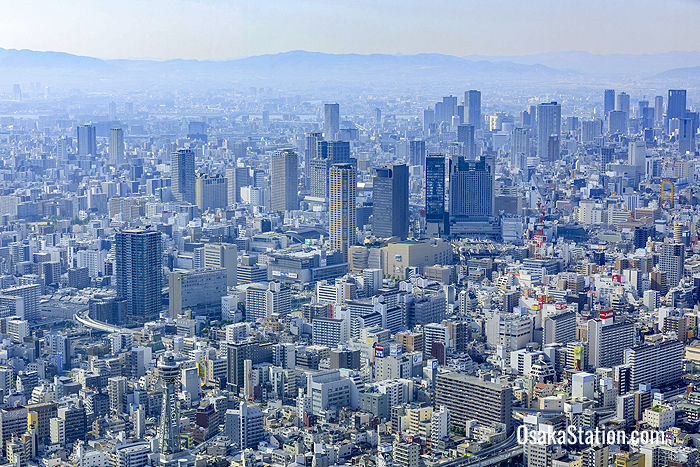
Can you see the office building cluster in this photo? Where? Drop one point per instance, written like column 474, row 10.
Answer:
column 254, row 279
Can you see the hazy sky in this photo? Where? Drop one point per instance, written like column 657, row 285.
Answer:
column 221, row 29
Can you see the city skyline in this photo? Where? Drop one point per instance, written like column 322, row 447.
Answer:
column 365, row 256
column 174, row 30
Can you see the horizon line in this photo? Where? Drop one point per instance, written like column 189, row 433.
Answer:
column 395, row 54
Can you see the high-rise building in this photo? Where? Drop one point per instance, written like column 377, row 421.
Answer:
column 466, row 137
column 338, row 152
column 672, row 262
column 331, row 121
column 139, row 272
column 222, row 255
column 30, row 297
column 390, row 193
column 617, row 122
column 327, row 154
column 659, row 364
column 211, row 192
column 13, row 421
column 676, row 104
column 607, row 342
column 608, row 101
column 559, row 328
column 198, row 290
column 74, row 422
column 622, row 103
column 310, row 147
column 435, row 172
column 236, row 177
column 469, row 398
column 116, row 388
column 182, row 175
column 342, row 216
column 61, row 346
column 265, row 301
column 416, row 152
column 658, row 109
column 116, row 146
column 520, row 147
column 284, row 181
column 472, row 102
column 428, row 120
column 686, row 135
column 244, row 426
column 87, row 140
column 471, row 190
column 548, row 124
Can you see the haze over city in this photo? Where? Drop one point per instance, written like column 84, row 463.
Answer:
column 309, row 233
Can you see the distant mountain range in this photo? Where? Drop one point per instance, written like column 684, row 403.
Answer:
column 643, row 65
column 308, row 69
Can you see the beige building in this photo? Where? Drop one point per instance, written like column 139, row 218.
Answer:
column 397, row 257
column 222, row 255
column 211, row 192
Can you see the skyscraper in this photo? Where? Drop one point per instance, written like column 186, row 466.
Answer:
column 608, row 101
column 236, row 177
column 658, row 109
column 622, row 103
column 139, row 271
column 390, row 193
column 116, row 146
column 331, row 122
column 284, row 181
column 548, row 124
column 337, row 151
column 182, row 175
column 686, row 135
column 471, row 190
column 465, row 136
column 472, row 101
column 342, row 192
column 519, row 147
column 310, row 147
column 87, row 140
column 327, row 154
column 676, row 106
column 672, row 262
column 435, row 188
column 211, row 191
column 416, row 152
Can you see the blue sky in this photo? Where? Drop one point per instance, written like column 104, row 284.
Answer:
column 219, row 29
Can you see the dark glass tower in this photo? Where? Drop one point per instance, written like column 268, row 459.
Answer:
column 139, row 259
column 390, row 194
column 182, row 175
